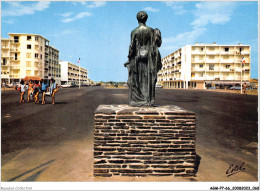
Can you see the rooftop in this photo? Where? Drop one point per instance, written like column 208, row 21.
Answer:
column 27, row 34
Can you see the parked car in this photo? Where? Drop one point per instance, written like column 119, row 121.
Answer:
column 12, row 85
column 65, row 86
column 236, row 88
column 158, row 86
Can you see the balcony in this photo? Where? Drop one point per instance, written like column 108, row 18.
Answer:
column 14, row 41
column 15, row 67
column 15, row 58
column 226, row 78
column 227, row 70
column 212, row 60
column 227, row 60
column 4, row 64
column 198, row 52
column 196, row 69
column 4, row 47
column 14, row 75
column 245, row 52
column 14, row 50
column 5, row 55
column 210, row 78
column 211, row 70
column 197, row 61
column 208, row 52
column 230, row 52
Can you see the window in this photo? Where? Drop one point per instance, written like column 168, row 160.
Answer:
column 29, row 38
column 226, row 57
column 201, row 49
column 211, row 57
column 28, row 64
column 29, row 46
column 36, row 72
column 201, row 74
column 226, row 49
column 192, row 74
column 28, row 55
column 4, row 61
column 201, row 65
column 16, row 39
column 40, row 56
column 41, row 47
column 36, row 55
column 36, row 38
column 226, row 74
column 28, row 72
column 227, row 66
column 211, row 67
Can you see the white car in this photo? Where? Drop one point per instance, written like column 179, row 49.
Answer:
column 66, row 86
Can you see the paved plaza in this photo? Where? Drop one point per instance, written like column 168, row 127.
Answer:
column 55, row 143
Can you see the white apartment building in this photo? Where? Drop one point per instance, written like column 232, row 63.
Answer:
column 72, row 74
column 25, row 55
column 195, row 66
column 52, row 67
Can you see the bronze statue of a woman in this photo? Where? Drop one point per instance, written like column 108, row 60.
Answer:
column 144, row 61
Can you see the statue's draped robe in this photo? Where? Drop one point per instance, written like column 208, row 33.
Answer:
column 144, row 63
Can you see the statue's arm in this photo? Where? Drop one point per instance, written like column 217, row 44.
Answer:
column 132, row 46
column 158, row 38
column 131, row 50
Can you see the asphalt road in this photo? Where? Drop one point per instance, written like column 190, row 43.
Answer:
column 39, row 139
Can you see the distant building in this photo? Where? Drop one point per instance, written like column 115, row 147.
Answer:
column 52, row 67
column 196, row 66
column 28, row 55
column 70, row 74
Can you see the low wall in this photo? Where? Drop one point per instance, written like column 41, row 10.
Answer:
column 134, row 141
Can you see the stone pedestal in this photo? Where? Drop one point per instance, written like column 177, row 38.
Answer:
column 135, row 141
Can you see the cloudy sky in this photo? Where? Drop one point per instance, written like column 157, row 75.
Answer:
column 99, row 32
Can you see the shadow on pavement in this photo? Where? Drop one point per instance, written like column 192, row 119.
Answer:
column 34, row 175
column 61, row 102
column 197, row 163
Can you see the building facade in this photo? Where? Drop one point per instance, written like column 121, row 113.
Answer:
column 52, row 67
column 72, row 74
column 196, row 66
column 25, row 55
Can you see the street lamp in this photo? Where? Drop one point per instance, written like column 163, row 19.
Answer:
column 79, row 73
column 241, row 77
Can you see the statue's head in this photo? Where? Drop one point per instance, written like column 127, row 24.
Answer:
column 142, row 16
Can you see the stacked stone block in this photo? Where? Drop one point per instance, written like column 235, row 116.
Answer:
column 134, row 141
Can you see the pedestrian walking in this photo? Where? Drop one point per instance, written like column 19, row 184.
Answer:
column 244, row 88
column 44, row 89
column 22, row 91
column 53, row 90
column 4, row 85
column 37, row 90
column 30, row 91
